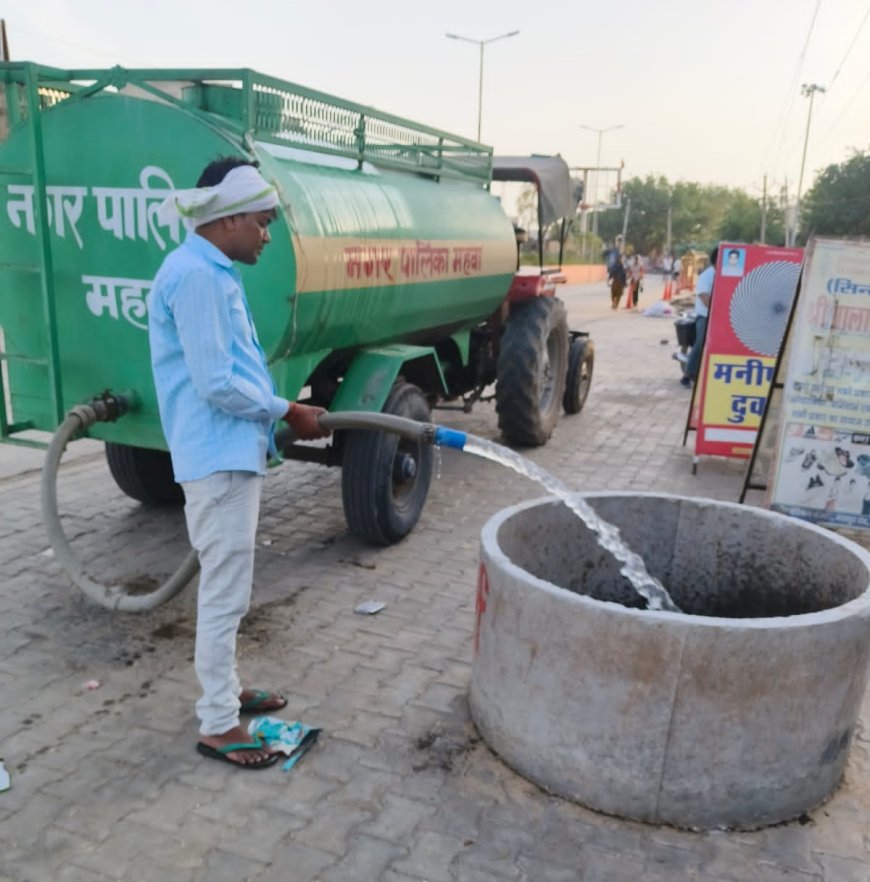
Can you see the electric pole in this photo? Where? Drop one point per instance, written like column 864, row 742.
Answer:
column 807, row 90
column 625, row 219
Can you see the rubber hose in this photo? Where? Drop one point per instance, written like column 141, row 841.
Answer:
column 115, row 597
column 380, row 422
column 426, row 433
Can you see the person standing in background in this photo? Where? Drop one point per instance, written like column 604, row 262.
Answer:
column 703, row 295
column 635, row 280
column 616, row 277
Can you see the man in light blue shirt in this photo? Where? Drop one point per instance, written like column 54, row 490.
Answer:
column 703, row 293
column 218, row 408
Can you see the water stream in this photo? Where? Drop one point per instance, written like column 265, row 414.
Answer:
column 609, row 538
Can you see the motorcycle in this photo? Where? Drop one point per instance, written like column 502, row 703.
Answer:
column 685, row 329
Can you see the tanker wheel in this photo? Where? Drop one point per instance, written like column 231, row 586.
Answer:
column 532, row 364
column 385, row 479
column 581, row 360
column 143, row 474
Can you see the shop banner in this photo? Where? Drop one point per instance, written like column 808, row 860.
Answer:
column 822, row 463
column 752, row 297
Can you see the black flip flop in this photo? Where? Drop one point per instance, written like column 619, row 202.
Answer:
column 220, row 753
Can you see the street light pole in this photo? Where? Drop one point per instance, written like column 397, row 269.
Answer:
column 481, row 44
column 601, row 133
column 807, row 90
column 597, row 185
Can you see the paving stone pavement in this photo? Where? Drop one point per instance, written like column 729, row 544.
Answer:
column 107, row 785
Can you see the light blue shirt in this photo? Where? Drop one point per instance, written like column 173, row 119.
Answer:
column 704, row 285
column 215, row 393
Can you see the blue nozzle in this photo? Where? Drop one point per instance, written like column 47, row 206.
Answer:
column 450, row 438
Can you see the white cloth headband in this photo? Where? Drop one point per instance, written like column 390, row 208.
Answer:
column 243, row 190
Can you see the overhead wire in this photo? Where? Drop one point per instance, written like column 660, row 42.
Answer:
column 792, row 92
column 842, row 113
column 845, row 201
column 860, row 87
column 849, row 50
column 50, row 37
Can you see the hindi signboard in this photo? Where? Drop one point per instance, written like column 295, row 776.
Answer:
column 822, row 465
column 752, row 297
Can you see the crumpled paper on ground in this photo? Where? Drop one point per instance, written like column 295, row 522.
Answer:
column 290, row 738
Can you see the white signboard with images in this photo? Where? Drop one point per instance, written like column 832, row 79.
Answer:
column 822, row 468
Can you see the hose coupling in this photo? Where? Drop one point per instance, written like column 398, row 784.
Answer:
column 428, row 433
column 108, row 407
column 445, row 437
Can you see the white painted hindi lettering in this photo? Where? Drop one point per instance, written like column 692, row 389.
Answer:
column 103, row 293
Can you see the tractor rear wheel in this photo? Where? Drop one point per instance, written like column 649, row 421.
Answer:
column 385, row 479
column 581, row 360
column 144, row 474
column 532, row 364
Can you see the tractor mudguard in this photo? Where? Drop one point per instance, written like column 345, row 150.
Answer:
column 373, row 372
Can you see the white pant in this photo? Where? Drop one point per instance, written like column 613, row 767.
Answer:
column 222, row 512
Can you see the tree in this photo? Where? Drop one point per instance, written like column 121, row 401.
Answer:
column 742, row 221
column 648, row 214
column 839, row 202
column 701, row 216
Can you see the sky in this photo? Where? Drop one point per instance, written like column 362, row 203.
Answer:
column 700, row 90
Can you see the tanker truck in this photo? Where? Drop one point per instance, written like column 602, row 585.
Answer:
column 393, row 283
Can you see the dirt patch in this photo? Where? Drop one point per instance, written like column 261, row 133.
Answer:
column 174, row 630
column 261, row 622
column 357, row 562
column 444, row 750
column 140, row 585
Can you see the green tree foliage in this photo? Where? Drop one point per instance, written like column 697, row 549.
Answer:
column 701, row 215
column 527, row 207
column 742, row 221
column 839, row 202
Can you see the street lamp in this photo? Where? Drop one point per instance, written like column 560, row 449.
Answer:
column 481, row 43
column 598, row 165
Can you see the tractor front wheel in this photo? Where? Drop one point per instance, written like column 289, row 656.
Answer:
column 581, row 360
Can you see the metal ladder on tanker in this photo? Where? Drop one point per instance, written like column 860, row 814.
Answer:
column 21, row 86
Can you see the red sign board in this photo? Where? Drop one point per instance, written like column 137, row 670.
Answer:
column 752, row 296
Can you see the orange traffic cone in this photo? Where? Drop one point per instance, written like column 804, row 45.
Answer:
column 669, row 291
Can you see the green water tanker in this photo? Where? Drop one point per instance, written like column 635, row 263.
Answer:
column 391, row 284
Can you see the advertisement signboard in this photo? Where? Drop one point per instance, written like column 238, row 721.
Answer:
column 752, row 298
column 822, row 463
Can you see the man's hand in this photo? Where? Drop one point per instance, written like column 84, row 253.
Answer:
column 305, row 422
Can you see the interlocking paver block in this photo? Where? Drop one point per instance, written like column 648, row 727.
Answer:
column 366, row 858
column 839, row 869
column 226, row 866
column 397, row 819
column 298, row 862
column 398, row 786
column 431, row 857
